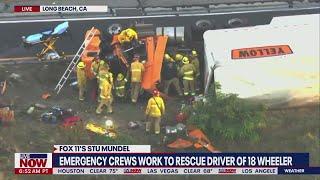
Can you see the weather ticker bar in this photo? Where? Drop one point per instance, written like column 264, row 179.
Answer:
column 55, row 8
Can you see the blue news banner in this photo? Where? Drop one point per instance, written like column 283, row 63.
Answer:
column 286, row 163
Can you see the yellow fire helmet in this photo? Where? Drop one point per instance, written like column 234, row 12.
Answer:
column 167, row 57
column 101, row 62
column 81, row 65
column 185, row 60
column 120, row 77
column 178, row 57
column 109, row 124
column 194, row 53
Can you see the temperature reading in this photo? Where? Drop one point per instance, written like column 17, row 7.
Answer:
column 113, row 171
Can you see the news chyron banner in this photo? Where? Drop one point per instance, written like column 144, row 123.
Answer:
column 59, row 9
column 138, row 160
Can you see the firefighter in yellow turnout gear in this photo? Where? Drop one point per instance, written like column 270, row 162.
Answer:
column 195, row 61
column 105, row 94
column 127, row 36
column 136, row 72
column 154, row 112
column 188, row 72
column 103, row 72
column 120, row 86
column 82, row 79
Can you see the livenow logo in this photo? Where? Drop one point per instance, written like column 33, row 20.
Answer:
column 33, row 160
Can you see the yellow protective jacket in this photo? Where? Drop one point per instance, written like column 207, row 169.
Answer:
column 120, row 87
column 102, row 75
column 136, row 70
column 188, row 72
column 105, row 90
column 195, row 62
column 155, row 107
column 81, row 78
column 95, row 67
column 127, row 35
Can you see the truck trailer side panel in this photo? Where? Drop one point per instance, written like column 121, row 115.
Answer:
column 277, row 63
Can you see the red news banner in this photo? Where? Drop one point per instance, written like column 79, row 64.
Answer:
column 66, row 9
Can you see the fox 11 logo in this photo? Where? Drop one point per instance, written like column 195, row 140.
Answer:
column 33, row 163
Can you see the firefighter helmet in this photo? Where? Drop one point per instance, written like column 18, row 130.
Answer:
column 178, row 57
column 120, row 77
column 81, row 65
column 185, row 60
column 155, row 92
column 194, row 53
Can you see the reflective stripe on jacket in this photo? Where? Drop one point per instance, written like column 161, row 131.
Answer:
column 102, row 75
column 137, row 70
column 120, row 87
column 188, row 72
column 155, row 107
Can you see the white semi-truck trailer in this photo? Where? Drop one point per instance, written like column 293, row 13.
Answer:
column 276, row 63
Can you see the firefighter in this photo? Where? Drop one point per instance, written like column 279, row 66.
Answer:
column 120, row 86
column 154, row 112
column 127, row 36
column 136, row 72
column 178, row 58
column 103, row 72
column 82, row 79
column 105, row 95
column 195, row 61
column 95, row 66
column 170, row 75
column 188, row 72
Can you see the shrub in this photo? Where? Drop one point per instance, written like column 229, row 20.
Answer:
column 229, row 117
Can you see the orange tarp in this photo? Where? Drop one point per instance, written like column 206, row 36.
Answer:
column 154, row 61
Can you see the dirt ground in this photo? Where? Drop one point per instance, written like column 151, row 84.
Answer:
column 294, row 130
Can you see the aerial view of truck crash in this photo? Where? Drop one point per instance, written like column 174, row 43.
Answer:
column 141, row 89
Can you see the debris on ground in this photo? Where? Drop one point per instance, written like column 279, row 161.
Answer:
column 45, row 95
column 40, row 106
column 15, row 76
column 55, row 114
column 6, row 115
column 3, row 87
column 194, row 137
column 134, row 124
column 30, row 110
column 70, row 121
